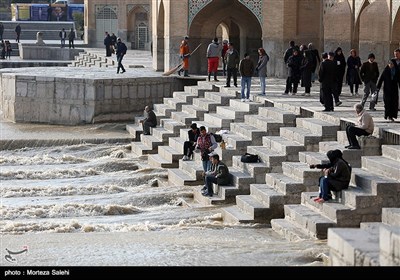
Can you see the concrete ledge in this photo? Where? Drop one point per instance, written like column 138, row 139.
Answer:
column 36, row 52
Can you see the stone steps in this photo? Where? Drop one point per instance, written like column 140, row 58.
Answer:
column 372, row 244
column 372, row 188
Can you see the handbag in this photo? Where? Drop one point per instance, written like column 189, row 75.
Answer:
column 374, row 96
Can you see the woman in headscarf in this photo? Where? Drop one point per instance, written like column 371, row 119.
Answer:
column 336, row 175
column 390, row 77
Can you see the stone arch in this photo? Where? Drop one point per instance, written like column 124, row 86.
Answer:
column 358, row 14
column 138, row 28
column 374, row 35
column 243, row 26
column 337, row 34
column 396, row 31
column 106, row 20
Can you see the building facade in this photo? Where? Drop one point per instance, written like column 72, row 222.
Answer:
column 128, row 19
column 160, row 25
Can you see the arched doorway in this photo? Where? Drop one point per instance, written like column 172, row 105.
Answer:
column 138, row 28
column 224, row 16
column 106, row 20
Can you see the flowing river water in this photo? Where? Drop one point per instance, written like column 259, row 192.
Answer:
column 100, row 205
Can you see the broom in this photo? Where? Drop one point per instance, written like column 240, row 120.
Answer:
column 180, row 65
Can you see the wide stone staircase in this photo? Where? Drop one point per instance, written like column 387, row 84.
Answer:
column 284, row 176
column 174, row 114
column 372, row 187
column 372, row 244
column 287, row 138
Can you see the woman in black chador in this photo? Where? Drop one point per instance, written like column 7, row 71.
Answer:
column 390, row 78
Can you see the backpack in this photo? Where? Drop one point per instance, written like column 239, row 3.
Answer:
column 218, row 137
column 249, row 158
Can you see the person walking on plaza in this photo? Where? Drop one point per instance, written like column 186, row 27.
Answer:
column 340, row 62
column 1, row 31
column 306, row 69
column 217, row 174
column 288, row 53
column 232, row 63
column 213, row 53
column 150, row 120
column 184, row 53
column 261, row 68
column 63, row 36
column 369, row 73
column 71, row 38
column 315, row 60
column 294, row 72
column 18, row 31
column 246, row 69
column 121, row 51
column 188, row 146
column 390, row 78
column 353, row 74
column 8, row 49
column 107, row 44
column 327, row 78
column 364, row 127
column 225, row 47
column 113, row 42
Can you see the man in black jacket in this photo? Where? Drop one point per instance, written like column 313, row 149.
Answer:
column 327, row 78
column 369, row 73
column 121, row 51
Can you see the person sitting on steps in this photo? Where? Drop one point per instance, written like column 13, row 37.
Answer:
column 188, row 146
column 336, row 175
column 150, row 120
column 364, row 127
column 218, row 173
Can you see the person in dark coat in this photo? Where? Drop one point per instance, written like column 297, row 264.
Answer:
column 121, row 51
column 1, row 31
column 71, row 38
column 107, row 44
column 390, row 78
column 340, row 62
column 307, row 68
column 188, row 146
column 150, row 120
column 288, row 53
column 336, row 177
column 369, row 73
column 294, row 72
column 18, row 31
column 315, row 61
column 327, row 78
column 353, row 74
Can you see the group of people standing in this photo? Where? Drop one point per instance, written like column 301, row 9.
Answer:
column 232, row 65
column 302, row 62
column 5, row 49
column 71, row 38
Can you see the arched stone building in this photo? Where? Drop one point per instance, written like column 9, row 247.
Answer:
column 128, row 19
column 366, row 25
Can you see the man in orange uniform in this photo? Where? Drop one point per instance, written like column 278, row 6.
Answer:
column 184, row 54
